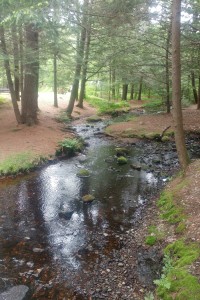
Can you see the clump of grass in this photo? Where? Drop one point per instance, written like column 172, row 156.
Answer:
column 122, row 160
column 2, row 100
column 20, row 162
column 176, row 279
column 108, row 107
column 151, row 240
column 63, row 118
column 169, row 210
column 69, row 147
column 120, row 151
column 154, row 105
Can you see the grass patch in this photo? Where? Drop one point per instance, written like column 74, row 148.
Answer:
column 151, row 240
column 169, row 210
column 3, row 101
column 93, row 119
column 63, row 118
column 108, row 107
column 69, row 147
column 21, row 162
column 154, row 106
column 176, row 282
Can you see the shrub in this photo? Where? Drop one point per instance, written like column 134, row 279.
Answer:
column 69, row 147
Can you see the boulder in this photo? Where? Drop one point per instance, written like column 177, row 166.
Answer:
column 18, row 292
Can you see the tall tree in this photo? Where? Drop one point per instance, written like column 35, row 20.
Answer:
column 176, row 86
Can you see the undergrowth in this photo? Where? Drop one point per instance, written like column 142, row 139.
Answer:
column 154, row 105
column 108, row 107
column 20, row 162
column 69, row 147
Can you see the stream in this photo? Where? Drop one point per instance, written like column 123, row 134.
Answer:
column 62, row 248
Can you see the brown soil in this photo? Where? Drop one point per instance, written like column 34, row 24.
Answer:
column 40, row 139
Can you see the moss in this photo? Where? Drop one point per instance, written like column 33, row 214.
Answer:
column 165, row 138
column 122, row 160
column 83, row 173
column 169, row 210
column 88, row 198
column 151, row 240
column 121, row 151
column 176, row 279
column 94, row 119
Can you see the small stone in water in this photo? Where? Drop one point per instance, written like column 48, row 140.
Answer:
column 38, row 250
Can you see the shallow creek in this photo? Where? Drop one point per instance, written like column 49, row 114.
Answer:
column 49, row 238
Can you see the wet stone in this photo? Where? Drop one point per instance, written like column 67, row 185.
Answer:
column 19, row 292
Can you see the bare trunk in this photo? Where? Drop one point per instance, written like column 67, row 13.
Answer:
column 30, row 93
column 132, row 92
column 194, row 87
column 21, row 50
column 176, row 86
column 113, row 82
column 198, row 103
column 9, row 77
column 16, row 61
column 167, row 70
column 124, row 91
column 140, row 89
column 79, row 62
column 55, row 80
column 84, row 71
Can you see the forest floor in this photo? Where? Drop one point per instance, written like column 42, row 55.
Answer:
column 43, row 138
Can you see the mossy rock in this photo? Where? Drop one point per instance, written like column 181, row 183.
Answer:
column 120, row 151
column 94, row 119
column 122, row 160
column 88, row 198
column 83, row 173
column 165, row 138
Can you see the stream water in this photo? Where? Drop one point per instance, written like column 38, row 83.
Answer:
column 48, row 235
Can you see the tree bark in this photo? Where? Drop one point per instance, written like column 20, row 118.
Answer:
column 79, row 61
column 113, row 75
column 8, row 74
column 176, row 86
column 198, row 103
column 132, row 91
column 55, row 92
column 30, row 93
column 195, row 94
column 84, row 69
column 21, row 54
column 167, row 70
column 124, row 91
column 16, row 60
column 140, row 89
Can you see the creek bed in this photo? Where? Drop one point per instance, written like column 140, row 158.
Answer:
column 63, row 248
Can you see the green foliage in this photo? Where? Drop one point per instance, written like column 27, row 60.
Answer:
column 149, row 296
column 108, row 107
column 154, row 105
column 2, row 101
column 176, row 280
column 122, row 160
column 120, row 151
column 169, row 210
column 69, row 147
column 21, row 162
column 156, row 231
column 151, row 240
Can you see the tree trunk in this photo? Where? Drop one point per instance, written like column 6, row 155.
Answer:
column 140, row 89
column 55, row 88
column 16, row 60
column 132, row 91
column 9, row 77
column 194, row 87
column 167, row 70
column 30, row 93
column 176, row 86
column 113, row 82
column 21, row 53
column 124, row 91
column 84, row 71
column 79, row 61
column 198, row 103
